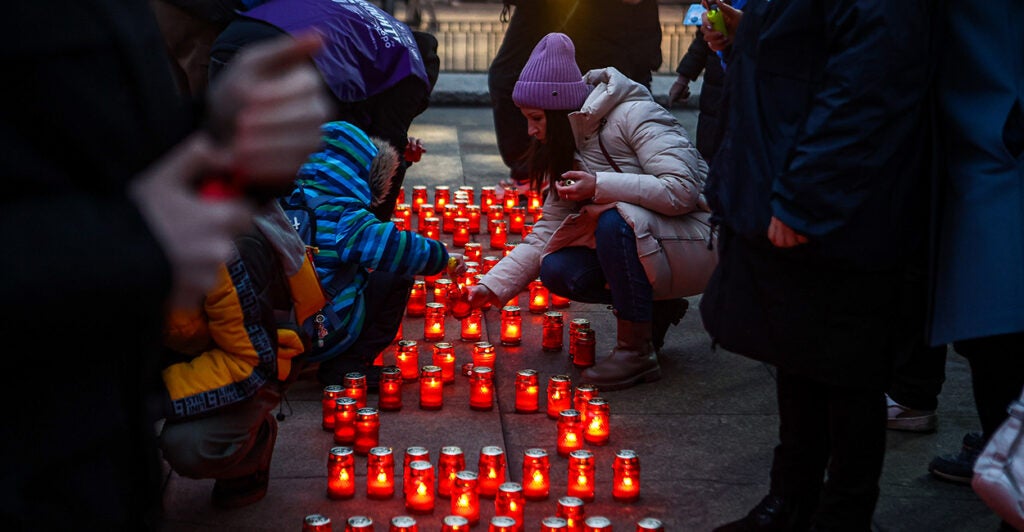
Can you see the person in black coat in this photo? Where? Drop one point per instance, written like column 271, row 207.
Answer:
column 700, row 58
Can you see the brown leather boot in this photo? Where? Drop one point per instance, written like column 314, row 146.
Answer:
column 631, row 362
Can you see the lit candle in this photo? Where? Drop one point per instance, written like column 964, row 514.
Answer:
column 553, row 524
column 401, row 195
column 474, row 215
column 489, row 262
column 509, row 502
column 419, row 196
column 488, row 196
column 498, row 233
column 502, row 523
column 626, row 476
column 419, row 492
column 481, row 389
column 574, row 329
column 571, row 509
column 465, row 499
column 448, row 216
column 433, row 323
column 417, row 299
column 431, row 388
column 345, row 420
column 553, row 331
column 454, row 523
column 509, row 199
column 403, row 523
column 441, row 289
column 316, row 523
column 458, row 301
column 473, row 252
column 367, row 429
column 472, row 326
column 516, row 219
column 341, row 477
column 570, row 432
column 359, row 523
column 583, row 354
column 380, row 473
column 330, row 393
column 491, row 468
column 527, row 391
column 460, row 232
column 558, row 301
column 539, row 297
column 596, row 424
column 483, row 355
column 444, row 358
column 449, row 463
column 649, row 524
column 581, row 475
column 431, row 228
column 536, row 474
column 468, row 191
column 442, row 195
column 597, row 523
column 413, row 454
column 425, row 212
column 534, row 203
column 407, row 357
column 584, row 393
column 400, row 223
column 390, row 398
column 404, row 211
column 511, row 325
column 509, row 246
column 559, row 395
column 526, row 230
column 355, row 387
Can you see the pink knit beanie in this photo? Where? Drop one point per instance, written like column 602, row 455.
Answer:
column 551, row 80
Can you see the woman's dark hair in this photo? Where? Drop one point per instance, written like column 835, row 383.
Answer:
column 550, row 159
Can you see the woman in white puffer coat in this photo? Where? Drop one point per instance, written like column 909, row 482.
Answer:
column 624, row 221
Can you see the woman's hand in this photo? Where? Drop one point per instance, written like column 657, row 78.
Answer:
column 576, row 185
column 480, row 295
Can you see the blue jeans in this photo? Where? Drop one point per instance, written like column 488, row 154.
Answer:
column 612, row 273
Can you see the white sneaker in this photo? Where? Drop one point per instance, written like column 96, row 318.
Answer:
column 907, row 419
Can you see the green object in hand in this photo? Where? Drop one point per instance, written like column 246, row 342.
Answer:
column 717, row 21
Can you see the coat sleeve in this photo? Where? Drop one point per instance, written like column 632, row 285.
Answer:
column 695, row 58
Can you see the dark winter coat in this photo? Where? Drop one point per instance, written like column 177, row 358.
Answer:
column 701, row 58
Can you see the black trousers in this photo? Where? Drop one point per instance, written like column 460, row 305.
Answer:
column 997, row 375
column 919, row 370
column 831, row 450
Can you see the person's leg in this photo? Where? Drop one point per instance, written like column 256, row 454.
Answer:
column 997, row 375
column 575, row 273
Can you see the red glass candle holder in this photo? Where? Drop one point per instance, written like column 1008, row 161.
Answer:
column 419, row 196
column 359, row 523
column 502, row 523
column 431, row 388
column 367, row 429
column 526, row 230
column 449, row 463
column 596, row 424
column 404, row 211
column 412, row 454
column 475, row 217
column 517, row 217
column 509, row 199
column 442, row 287
column 462, row 203
column 390, row 394
column 534, row 201
column 527, row 391
column 584, row 393
column 540, row 298
column 481, row 389
column 431, row 228
column 483, row 355
column 488, row 196
column 341, row 474
column 649, row 524
column 469, row 191
column 511, row 325
column 380, row 473
column 574, row 330
column 553, row 331
column 419, row 492
column 570, row 432
column 465, row 499
column 458, row 301
column 442, row 196
column 403, row 523
column 626, row 476
column 571, row 509
column 510, row 502
column 553, row 524
column 559, row 395
column 454, row 523
column 407, row 358
column 355, row 387
column 583, row 353
column 425, row 213
column 444, row 357
column 490, row 470
column 509, row 246
column 558, row 301
column 416, row 307
column 433, row 322
column 581, row 475
column 473, row 252
column 499, row 233
column 316, row 523
column 472, row 326
column 488, row 262
column 597, row 523
column 536, row 474
column 400, row 223
column 330, row 393
column 448, row 216
column 460, row 232
column 345, row 420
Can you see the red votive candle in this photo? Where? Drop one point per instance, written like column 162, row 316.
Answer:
column 488, row 196
column 509, row 246
column 509, row 199
column 465, row 499
column 431, row 228
column 359, row 523
column 473, row 252
column 431, row 388
column 419, row 492
column 534, row 203
column 316, row 523
column 481, row 389
column 570, row 432
column 574, row 330
column 355, row 387
column 404, row 211
column 489, row 262
column 502, row 523
column 474, row 214
column 527, row 391
column 458, row 301
column 581, row 475
column 425, row 212
column 584, row 393
column 558, row 301
column 491, row 469
column 454, row 523
column 442, row 196
column 517, row 217
column 527, row 229
column 390, row 395
column 553, row 331
column 341, row 474
column 597, row 523
column 407, row 357
column 419, row 196
column 330, row 393
column 583, row 354
column 559, row 394
column 483, row 355
column 553, row 524
column 626, row 476
column 442, row 288
column 400, row 223
column 380, row 473
column 460, row 232
column 449, row 463
column 345, row 420
column 468, row 191
column 499, row 232
column 539, row 297
column 596, row 424
column 571, row 509
column 416, row 307
column 511, row 325
column 367, row 429
column 472, row 326
column 403, row 523
column 536, row 474
column 444, row 357
column 413, row 454
column 433, row 323
column 448, row 216
column 509, row 502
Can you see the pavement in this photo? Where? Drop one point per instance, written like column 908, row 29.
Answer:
column 704, row 433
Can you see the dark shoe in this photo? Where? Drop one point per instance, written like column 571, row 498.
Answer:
column 241, row 491
column 959, row 467
column 666, row 313
column 771, row 514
